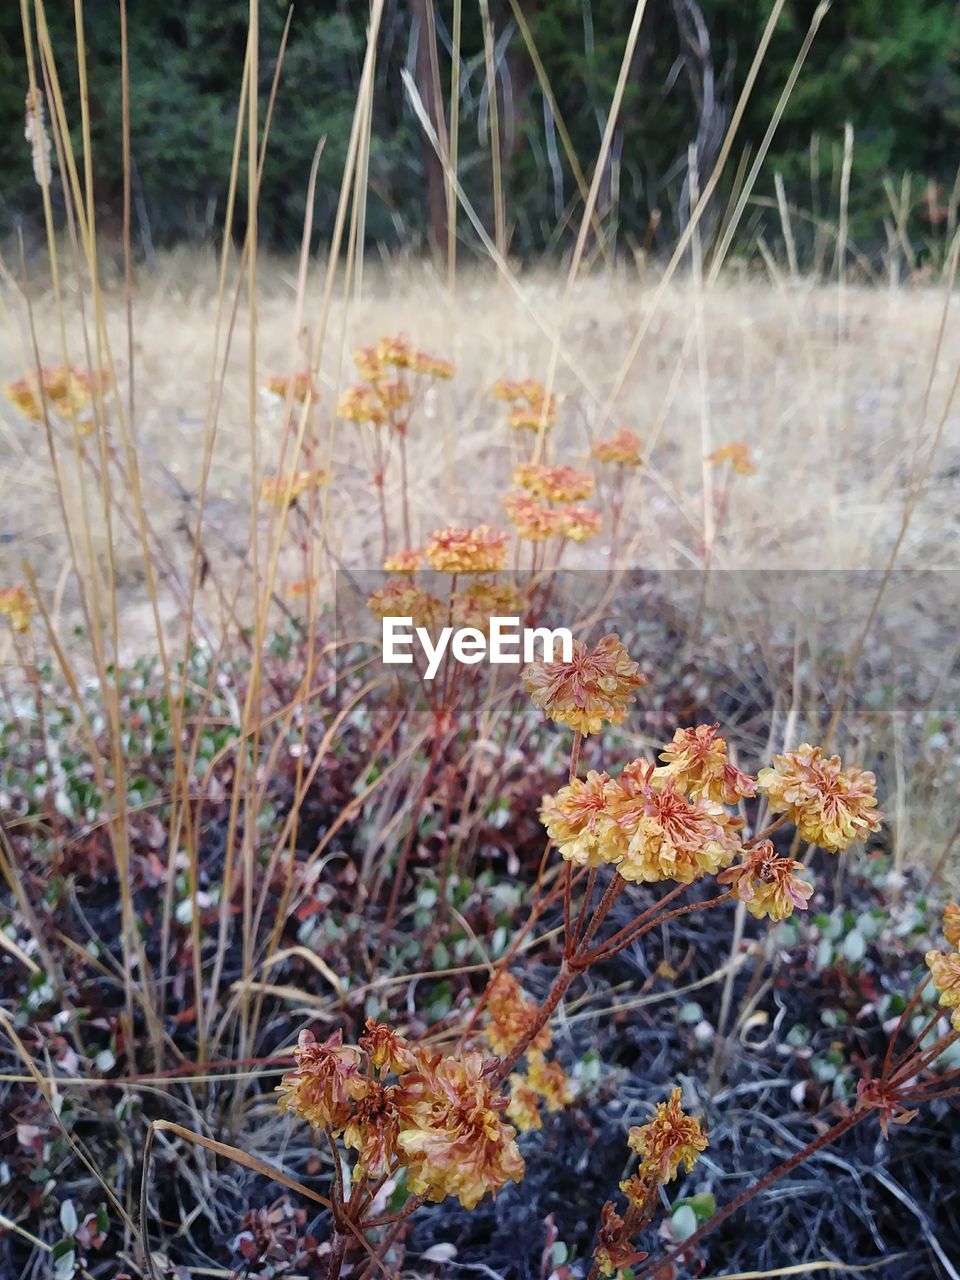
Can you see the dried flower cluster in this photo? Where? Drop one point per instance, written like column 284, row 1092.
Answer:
column 829, row 805
column 385, row 390
column 17, row 606
column 284, row 489
column 944, row 966
column 533, row 509
column 674, row 821
column 531, row 407
column 510, row 1021
column 593, row 689
column 298, row 386
column 66, row 389
column 398, row 1105
column 670, row 1140
column 737, row 454
column 623, row 448
column 478, row 550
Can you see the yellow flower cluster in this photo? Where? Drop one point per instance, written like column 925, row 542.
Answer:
column 669, row 1140
column 830, row 805
column 593, row 689
column 944, row 966
column 641, row 824
column 15, row 604
column 281, row 489
column 580, row 524
column 554, row 484
column 67, row 389
column 737, row 454
column 486, row 599
column 379, row 399
column 509, row 1016
column 697, row 760
column 406, row 560
column 622, row 447
column 397, row 1105
column 531, row 406
column 768, row 884
column 403, row 599
column 297, row 385
column 478, row 550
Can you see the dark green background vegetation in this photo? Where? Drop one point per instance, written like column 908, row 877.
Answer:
column 890, row 67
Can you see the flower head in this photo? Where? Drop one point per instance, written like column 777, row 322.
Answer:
column 452, row 1137
column 403, row 599
column 829, row 805
column 406, row 560
column 16, row 604
column 318, row 1090
column 614, row 1249
column 509, row 1015
column 532, row 406
column 523, row 1108
column 429, row 366
column 622, row 447
column 554, row 484
column 671, row 836
column 368, row 363
column 483, row 600
column 297, row 385
column 373, row 1129
column 944, row 966
column 579, row 524
column 23, row 396
column 479, row 550
column 951, row 923
column 395, row 351
column 770, row 886
column 581, row 820
column 283, row 489
column 361, row 404
column 549, row 1080
column 696, row 759
column 593, row 689
column 737, row 454
column 387, row 1050
column 670, row 1139
column 533, row 519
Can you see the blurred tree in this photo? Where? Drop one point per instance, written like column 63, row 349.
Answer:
column 890, row 67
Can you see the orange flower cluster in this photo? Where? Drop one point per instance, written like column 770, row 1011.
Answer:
column 951, row 923
column 406, row 560
column 298, row 386
column 535, row 520
column 622, row 447
column 737, row 454
column 282, row 489
column 554, row 484
column 379, row 399
column 397, row 1105
column 593, row 689
column 669, row 1140
column 486, row 599
column 404, row 599
column 580, row 524
column 644, row 826
column 15, row 604
column 479, row 550
column 509, row 1017
column 768, row 884
column 614, row 1251
column 68, row 389
column 531, row 406
column 944, row 966
column 830, row 805
column 697, row 760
